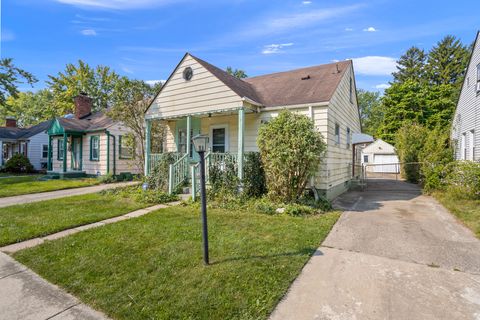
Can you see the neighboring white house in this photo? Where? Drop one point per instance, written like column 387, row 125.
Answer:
column 201, row 98
column 380, row 156
column 31, row 141
column 466, row 123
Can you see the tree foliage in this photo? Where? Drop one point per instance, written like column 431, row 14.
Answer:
column 371, row 112
column 409, row 141
column 10, row 77
column 130, row 100
column 411, row 66
column 19, row 163
column 98, row 83
column 292, row 156
column 30, row 108
column 237, row 73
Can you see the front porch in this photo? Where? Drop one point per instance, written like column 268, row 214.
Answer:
column 226, row 131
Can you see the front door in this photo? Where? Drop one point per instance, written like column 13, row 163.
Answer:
column 76, row 154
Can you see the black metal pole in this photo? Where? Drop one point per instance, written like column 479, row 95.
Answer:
column 203, row 195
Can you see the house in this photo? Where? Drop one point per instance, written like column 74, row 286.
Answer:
column 31, row 141
column 466, row 122
column 380, row 157
column 87, row 143
column 199, row 98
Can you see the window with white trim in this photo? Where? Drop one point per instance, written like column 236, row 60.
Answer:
column 365, row 158
column 126, row 145
column 471, row 145
column 44, row 151
column 94, row 148
column 337, row 133
column 463, row 147
column 219, row 139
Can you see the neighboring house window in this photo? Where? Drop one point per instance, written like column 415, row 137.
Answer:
column 463, row 147
column 478, row 78
column 365, row 158
column 60, row 149
column 94, row 148
column 125, row 147
column 44, row 151
column 349, row 138
column 219, row 139
column 337, row 133
column 351, row 90
column 23, row 148
column 471, row 145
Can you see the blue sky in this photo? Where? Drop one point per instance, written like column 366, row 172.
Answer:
column 145, row 39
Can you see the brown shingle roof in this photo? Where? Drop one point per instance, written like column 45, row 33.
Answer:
column 285, row 88
column 96, row 121
column 288, row 88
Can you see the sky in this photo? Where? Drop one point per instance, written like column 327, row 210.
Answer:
column 145, row 39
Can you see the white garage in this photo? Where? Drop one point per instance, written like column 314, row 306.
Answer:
column 380, row 157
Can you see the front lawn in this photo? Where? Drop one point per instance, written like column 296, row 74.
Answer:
column 151, row 267
column 26, row 221
column 14, row 186
column 468, row 211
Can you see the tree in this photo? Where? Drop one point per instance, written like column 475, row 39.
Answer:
column 411, row 66
column 237, row 73
column 130, row 100
column 30, row 108
column 292, row 157
column 10, row 77
column 98, row 83
column 409, row 142
column 371, row 112
column 447, row 62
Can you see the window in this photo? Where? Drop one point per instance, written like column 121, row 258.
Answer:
column 463, row 149
column 349, row 138
column 337, row 133
column 471, row 145
column 182, row 141
column 94, row 148
column 365, row 159
column 44, row 151
column 351, row 90
column 219, row 139
column 478, row 78
column 125, row 147
column 60, row 149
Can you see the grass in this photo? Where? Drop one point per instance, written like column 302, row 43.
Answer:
column 14, row 186
column 151, row 267
column 468, row 211
column 26, row 221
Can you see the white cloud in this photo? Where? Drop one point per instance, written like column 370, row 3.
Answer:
column 370, row 29
column 154, row 82
column 374, row 65
column 88, row 32
column 275, row 47
column 306, row 2
column 116, row 4
column 382, row 86
column 348, row 29
column 7, row 35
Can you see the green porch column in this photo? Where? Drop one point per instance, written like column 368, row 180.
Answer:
column 189, row 134
column 241, row 141
column 148, row 130
column 49, row 157
column 64, row 152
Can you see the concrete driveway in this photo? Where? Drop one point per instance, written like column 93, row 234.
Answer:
column 394, row 254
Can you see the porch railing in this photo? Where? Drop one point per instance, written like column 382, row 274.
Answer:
column 178, row 173
column 157, row 157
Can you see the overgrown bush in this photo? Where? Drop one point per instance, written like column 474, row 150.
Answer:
column 254, row 176
column 18, row 163
column 409, row 141
column 223, row 179
column 435, row 155
column 291, row 150
column 108, row 178
column 463, row 179
column 158, row 177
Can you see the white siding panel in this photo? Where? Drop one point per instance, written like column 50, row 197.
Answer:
column 35, row 149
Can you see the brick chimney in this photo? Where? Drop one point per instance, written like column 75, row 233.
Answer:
column 10, row 122
column 83, row 105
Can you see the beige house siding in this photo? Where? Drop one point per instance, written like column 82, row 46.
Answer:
column 345, row 113
column 203, row 93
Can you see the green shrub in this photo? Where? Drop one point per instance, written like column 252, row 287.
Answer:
column 409, row 142
column 299, row 210
column 108, row 178
column 18, row 163
column 463, row 179
column 223, row 179
column 264, row 206
column 254, row 176
column 158, row 177
column 291, row 150
column 435, row 155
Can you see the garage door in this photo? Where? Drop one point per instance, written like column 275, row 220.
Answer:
column 387, row 163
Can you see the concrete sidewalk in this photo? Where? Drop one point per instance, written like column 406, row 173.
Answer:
column 393, row 254
column 26, row 296
column 34, row 197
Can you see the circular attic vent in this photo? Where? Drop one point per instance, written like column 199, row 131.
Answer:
column 187, row 73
